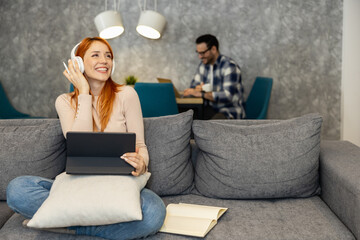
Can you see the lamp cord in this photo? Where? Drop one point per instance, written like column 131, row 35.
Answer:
column 139, row 4
column 144, row 8
column 116, row 5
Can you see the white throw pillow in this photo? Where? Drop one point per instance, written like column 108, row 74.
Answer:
column 91, row 200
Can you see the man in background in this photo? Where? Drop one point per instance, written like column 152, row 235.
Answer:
column 217, row 81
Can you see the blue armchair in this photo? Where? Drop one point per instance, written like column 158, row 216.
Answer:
column 257, row 103
column 7, row 111
column 156, row 99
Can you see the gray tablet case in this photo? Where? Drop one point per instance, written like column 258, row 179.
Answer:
column 98, row 153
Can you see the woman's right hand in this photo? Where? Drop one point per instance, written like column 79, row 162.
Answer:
column 76, row 77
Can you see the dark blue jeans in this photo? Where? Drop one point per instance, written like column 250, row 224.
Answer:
column 26, row 194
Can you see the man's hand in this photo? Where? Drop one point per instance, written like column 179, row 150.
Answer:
column 199, row 87
column 192, row 92
column 209, row 96
column 195, row 92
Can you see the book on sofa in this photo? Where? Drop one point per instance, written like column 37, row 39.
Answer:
column 191, row 219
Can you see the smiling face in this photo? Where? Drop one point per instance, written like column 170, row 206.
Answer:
column 205, row 54
column 98, row 62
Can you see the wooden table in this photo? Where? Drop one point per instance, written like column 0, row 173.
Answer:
column 187, row 100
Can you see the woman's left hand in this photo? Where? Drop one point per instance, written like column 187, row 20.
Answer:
column 135, row 160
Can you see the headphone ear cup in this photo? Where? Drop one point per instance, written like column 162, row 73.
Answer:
column 113, row 68
column 80, row 63
column 77, row 58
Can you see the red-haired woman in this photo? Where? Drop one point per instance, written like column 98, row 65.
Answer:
column 97, row 104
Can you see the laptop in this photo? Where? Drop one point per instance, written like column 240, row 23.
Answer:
column 164, row 80
column 98, row 153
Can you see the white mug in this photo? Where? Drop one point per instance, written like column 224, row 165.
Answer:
column 207, row 87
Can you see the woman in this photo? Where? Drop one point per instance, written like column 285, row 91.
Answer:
column 97, row 104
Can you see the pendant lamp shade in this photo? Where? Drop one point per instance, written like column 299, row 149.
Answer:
column 151, row 24
column 109, row 24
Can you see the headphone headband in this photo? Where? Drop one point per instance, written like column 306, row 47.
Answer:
column 74, row 50
column 80, row 60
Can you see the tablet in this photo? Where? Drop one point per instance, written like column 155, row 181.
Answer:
column 98, row 153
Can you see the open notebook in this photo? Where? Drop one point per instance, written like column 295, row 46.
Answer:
column 191, row 219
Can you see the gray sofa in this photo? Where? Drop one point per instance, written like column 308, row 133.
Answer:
column 274, row 176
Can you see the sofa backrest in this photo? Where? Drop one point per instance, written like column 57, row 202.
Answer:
column 227, row 158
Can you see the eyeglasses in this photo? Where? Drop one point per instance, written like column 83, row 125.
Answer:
column 203, row 52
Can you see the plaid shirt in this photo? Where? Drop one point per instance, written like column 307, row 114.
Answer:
column 227, row 87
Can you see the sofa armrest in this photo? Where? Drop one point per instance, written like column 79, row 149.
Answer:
column 340, row 181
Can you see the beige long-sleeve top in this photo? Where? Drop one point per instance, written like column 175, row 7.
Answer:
column 126, row 116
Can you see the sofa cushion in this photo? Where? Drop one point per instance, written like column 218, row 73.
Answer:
column 30, row 147
column 274, row 159
column 295, row 219
column 91, row 200
column 280, row 219
column 168, row 142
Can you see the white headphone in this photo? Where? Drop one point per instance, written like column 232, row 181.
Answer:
column 80, row 61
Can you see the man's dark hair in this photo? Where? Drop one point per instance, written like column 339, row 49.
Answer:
column 209, row 39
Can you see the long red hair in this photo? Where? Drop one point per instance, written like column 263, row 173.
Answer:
column 107, row 95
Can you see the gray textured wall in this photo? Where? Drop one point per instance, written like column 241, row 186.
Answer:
column 297, row 43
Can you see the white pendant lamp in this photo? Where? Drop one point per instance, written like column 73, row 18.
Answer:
column 151, row 24
column 109, row 24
